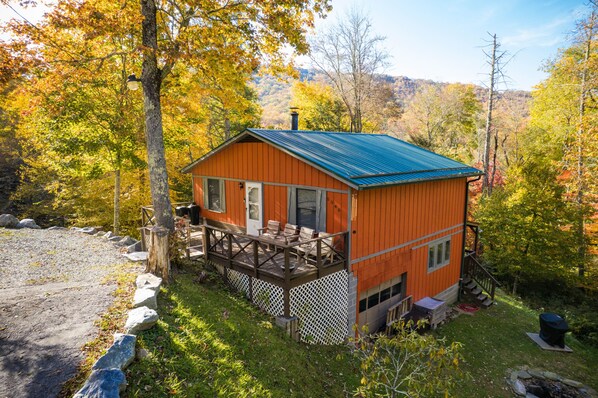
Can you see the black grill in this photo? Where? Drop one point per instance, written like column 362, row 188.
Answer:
column 553, row 328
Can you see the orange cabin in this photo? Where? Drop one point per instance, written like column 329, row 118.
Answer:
column 402, row 209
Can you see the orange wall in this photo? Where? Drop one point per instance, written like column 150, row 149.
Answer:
column 261, row 162
column 388, row 217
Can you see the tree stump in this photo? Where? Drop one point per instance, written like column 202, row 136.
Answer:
column 158, row 262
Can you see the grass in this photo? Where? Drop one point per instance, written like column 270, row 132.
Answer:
column 210, row 342
column 494, row 342
column 111, row 321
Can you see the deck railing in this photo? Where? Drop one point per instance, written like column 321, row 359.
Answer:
column 276, row 261
column 480, row 275
column 147, row 213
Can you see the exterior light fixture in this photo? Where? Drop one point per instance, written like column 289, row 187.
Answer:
column 133, row 82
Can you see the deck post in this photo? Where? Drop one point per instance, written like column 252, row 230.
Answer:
column 229, row 242
column 206, row 242
column 256, row 257
column 346, row 249
column 319, row 256
column 287, row 283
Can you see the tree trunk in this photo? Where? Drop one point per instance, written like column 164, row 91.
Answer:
column 580, row 227
column 151, row 81
column 158, row 262
column 116, row 223
column 486, row 180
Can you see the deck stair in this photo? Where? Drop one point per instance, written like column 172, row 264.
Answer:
column 471, row 288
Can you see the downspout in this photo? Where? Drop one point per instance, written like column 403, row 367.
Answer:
column 464, row 235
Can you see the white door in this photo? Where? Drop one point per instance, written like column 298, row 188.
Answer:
column 253, row 203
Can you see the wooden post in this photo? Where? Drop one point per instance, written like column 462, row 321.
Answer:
column 319, row 256
column 287, row 283
column 256, row 258
column 206, row 242
column 158, row 262
column 229, row 242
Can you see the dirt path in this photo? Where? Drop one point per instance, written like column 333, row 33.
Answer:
column 51, row 291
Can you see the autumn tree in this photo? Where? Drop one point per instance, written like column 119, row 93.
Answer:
column 351, row 56
column 320, row 107
column 526, row 224
column 565, row 112
column 444, row 119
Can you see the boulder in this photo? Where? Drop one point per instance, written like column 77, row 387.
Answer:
column 148, row 281
column 120, row 354
column 135, row 247
column 139, row 319
column 146, row 297
column 114, row 238
column 136, row 256
column 8, row 221
column 108, row 235
column 104, row 383
column 56, row 228
column 89, row 230
column 126, row 241
column 519, row 388
column 28, row 223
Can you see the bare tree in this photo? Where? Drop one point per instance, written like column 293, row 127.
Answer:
column 351, row 56
column 495, row 59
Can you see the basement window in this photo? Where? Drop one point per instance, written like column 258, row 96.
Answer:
column 439, row 253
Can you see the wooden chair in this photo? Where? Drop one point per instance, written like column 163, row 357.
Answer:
column 290, row 233
column 271, row 231
column 309, row 251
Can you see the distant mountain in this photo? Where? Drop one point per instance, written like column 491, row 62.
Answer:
column 274, row 95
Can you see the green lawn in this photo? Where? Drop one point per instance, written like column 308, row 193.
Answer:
column 494, row 341
column 211, row 343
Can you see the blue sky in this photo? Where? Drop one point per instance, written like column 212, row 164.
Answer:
column 442, row 40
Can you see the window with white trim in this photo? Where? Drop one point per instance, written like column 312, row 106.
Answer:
column 214, row 194
column 439, row 253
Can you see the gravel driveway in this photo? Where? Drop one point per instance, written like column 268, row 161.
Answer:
column 51, row 292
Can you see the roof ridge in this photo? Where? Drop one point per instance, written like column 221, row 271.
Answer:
column 321, row 132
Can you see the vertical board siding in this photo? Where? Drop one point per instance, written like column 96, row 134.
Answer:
column 388, row 217
column 261, row 162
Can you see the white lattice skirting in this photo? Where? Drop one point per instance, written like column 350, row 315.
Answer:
column 320, row 305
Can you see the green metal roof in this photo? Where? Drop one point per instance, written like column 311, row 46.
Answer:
column 360, row 160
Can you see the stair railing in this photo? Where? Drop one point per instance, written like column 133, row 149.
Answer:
column 480, row 275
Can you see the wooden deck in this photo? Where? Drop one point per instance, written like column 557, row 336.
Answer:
column 274, row 261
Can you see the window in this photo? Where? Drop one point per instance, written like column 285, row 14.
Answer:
column 306, row 208
column 439, row 253
column 214, row 194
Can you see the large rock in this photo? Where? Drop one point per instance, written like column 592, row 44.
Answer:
column 146, row 297
column 108, row 235
column 8, row 221
column 136, row 256
column 126, row 241
column 56, row 228
column 135, row 247
column 115, row 238
column 120, row 354
column 28, row 223
column 139, row 319
column 89, row 230
column 103, row 383
column 148, row 281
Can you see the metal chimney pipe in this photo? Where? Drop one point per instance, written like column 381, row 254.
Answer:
column 294, row 119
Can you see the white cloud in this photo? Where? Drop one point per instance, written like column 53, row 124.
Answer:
column 547, row 35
